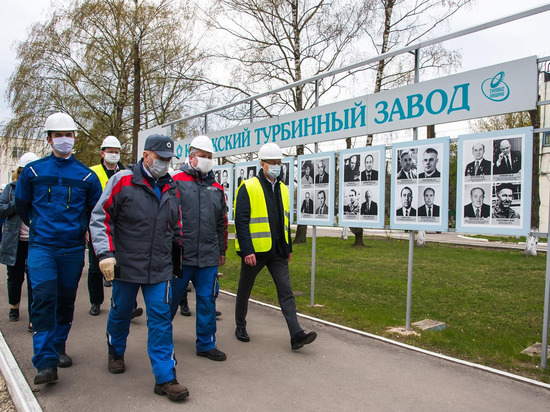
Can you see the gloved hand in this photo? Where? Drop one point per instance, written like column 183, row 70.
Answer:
column 107, row 267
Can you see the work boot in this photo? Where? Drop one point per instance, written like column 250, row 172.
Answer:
column 213, row 354
column 184, row 310
column 64, row 360
column 45, row 375
column 301, row 339
column 172, row 389
column 94, row 310
column 218, row 313
column 116, row 364
column 107, row 283
column 137, row 313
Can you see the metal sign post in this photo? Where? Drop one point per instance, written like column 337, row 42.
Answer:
column 544, row 349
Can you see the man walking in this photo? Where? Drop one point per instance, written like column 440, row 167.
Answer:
column 204, row 229
column 133, row 227
column 262, row 226
column 109, row 165
column 54, row 196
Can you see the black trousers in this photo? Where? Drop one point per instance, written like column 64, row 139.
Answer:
column 95, row 277
column 278, row 268
column 16, row 276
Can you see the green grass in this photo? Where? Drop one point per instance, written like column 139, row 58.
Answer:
column 491, row 300
column 509, row 239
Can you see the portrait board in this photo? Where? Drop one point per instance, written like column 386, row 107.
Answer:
column 315, row 204
column 420, row 185
column 287, row 177
column 362, row 187
column 494, row 182
column 224, row 176
column 245, row 170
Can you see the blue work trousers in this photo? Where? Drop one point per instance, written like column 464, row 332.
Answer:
column 160, row 345
column 205, row 281
column 54, row 273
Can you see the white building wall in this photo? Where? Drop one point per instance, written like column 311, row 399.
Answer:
column 12, row 149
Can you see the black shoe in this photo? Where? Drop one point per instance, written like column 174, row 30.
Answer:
column 13, row 315
column 46, row 375
column 107, row 283
column 94, row 310
column 184, row 310
column 137, row 313
column 213, row 354
column 29, row 327
column 64, row 360
column 301, row 339
column 241, row 335
column 218, row 313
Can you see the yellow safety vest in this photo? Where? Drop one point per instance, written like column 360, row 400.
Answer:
column 260, row 231
column 100, row 172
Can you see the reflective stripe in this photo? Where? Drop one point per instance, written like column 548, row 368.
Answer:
column 260, row 234
column 259, row 220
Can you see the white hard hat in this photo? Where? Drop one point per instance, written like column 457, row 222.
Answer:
column 60, row 122
column 111, row 141
column 202, row 143
column 26, row 159
column 270, row 151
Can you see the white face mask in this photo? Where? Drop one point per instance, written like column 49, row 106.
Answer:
column 274, row 171
column 159, row 168
column 204, row 165
column 112, row 158
column 63, row 145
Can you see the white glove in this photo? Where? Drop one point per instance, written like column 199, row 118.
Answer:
column 107, row 267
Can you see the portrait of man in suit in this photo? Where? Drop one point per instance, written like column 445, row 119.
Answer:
column 322, row 208
column 479, row 166
column 506, row 161
column 241, row 177
column 352, row 207
column 406, row 201
column 369, row 173
column 351, row 169
column 307, row 204
column 225, row 177
column 369, row 207
column 322, row 175
column 477, row 207
column 251, row 171
column 429, row 209
column 406, row 163
column 429, row 162
column 284, row 173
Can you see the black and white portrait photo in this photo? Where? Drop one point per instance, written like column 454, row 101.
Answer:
column 321, row 173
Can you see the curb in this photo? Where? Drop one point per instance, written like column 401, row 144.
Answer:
column 409, row 347
column 20, row 392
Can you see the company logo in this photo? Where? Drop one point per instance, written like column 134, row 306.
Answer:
column 496, row 89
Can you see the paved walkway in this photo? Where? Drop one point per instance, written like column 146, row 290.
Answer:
column 342, row 370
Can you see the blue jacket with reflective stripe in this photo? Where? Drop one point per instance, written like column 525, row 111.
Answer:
column 55, row 197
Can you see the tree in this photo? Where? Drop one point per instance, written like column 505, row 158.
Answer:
column 279, row 42
column 81, row 61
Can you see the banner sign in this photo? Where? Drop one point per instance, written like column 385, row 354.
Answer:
column 502, row 88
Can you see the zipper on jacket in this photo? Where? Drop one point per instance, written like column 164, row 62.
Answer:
column 49, row 193
column 68, row 196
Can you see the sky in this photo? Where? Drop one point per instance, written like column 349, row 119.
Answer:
column 531, row 36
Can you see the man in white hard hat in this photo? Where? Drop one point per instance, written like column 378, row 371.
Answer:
column 109, row 165
column 54, row 196
column 133, row 226
column 262, row 226
column 204, row 228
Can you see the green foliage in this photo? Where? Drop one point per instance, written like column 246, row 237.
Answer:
column 491, row 300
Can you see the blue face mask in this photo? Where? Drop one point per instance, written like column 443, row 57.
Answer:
column 274, row 171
